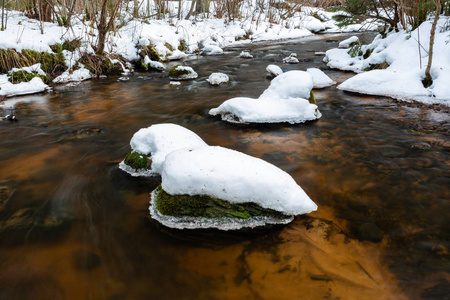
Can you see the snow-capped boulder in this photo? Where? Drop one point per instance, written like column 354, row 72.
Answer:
column 218, row 78
column 180, row 72
column 291, row 59
column 149, row 147
column 177, row 55
column 320, row 79
column 347, row 43
column 153, row 64
column 314, row 24
column 274, row 70
column 287, row 99
column 245, row 54
column 212, row 49
column 230, row 176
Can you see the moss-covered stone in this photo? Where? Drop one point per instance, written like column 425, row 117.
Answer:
column 208, row 207
column 174, row 72
column 137, row 160
column 182, row 46
column 149, row 51
column 380, row 66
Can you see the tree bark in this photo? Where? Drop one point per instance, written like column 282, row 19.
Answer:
column 428, row 79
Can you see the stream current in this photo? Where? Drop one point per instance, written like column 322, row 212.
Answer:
column 74, row 226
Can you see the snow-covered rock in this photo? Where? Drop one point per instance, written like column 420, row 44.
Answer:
column 177, row 55
column 182, row 73
column 292, row 84
column 320, row 79
column 313, row 24
column 347, row 43
column 212, row 49
column 291, row 59
column 153, row 64
column 274, row 70
column 218, row 78
column 245, row 54
column 235, row 177
column 285, row 100
column 157, row 141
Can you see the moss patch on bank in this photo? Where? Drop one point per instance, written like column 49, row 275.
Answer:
column 208, row 207
column 137, row 161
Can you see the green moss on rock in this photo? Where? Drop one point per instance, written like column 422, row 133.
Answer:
column 208, row 207
column 23, row 76
column 136, row 160
column 149, row 51
column 312, row 99
column 174, row 73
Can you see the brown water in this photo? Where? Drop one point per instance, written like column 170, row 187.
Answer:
column 76, row 227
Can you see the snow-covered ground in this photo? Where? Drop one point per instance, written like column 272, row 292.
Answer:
column 203, row 33
column 406, row 59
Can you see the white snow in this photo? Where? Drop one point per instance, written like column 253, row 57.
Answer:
column 347, row 42
column 320, row 79
column 274, row 70
column 76, row 76
column 233, row 176
column 218, row 78
column 245, row 54
column 406, row 60
column 313, row 24
column 283, row 101
column 212, row 49
column 8, row 89
column 159, row 140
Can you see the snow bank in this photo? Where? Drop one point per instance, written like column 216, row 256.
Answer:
column 348, row 42
column 320, row 79
column 283, row 101
column 76, row 76
column 233, row 176
column 159, row 140
column 406, row 64
column 7, row 89
column 218, row 78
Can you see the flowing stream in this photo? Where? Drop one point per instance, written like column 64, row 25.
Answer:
column 73, row 226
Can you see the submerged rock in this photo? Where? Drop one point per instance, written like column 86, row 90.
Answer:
column 180, row 72
column 5, row 194
column 370, row 232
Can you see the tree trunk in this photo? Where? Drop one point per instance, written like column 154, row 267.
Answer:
column 45, row 11
column 102, row 28
column 428, row 79
column 191, row 10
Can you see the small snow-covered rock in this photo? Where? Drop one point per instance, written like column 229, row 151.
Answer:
column 320, row 79
column 212, row 50
column 123, row 78
column 153, row 64
column 177, row 55
column 235, row 177
column 76, row 76
column 157, row 141
column 245, row 54
column 182, row 73
column 274, row 70
column 175, row 83
column 313, row 24
column 347, row 43
column 291, row 59
column 218, row 78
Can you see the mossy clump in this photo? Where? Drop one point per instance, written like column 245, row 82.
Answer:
column 52, row 64
column 380, row 66
column 136, row 160
column 208, row 207
column 100, row 65
column 312, row 99
column 23, row 76
column 355, row 50
column 149, row 51
column 248, row 34
column 168, row 46
column 174, row 72
column 182, row 46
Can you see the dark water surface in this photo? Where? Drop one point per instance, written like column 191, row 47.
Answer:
column 73, row 226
